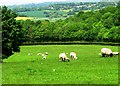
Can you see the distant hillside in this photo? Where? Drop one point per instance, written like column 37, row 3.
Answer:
column 110, row 0
column 58, row 9
column 31, row 5
column 92, row 26
column 83, row 0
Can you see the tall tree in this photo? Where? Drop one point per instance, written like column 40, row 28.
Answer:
column 11, row 33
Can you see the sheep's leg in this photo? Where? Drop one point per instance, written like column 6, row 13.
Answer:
column 64, row 59
column 111, row 54
column 103, row 55
column 68, row 60
column 72, row 56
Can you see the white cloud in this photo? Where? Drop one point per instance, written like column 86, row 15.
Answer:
column 16, row 2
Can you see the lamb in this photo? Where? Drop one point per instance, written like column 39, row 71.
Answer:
column 39, row 54
column 43, row 55
column 73, row 55
column 63, row 57
column 106, row 52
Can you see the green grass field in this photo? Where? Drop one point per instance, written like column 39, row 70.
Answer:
column 38, row 14
column 89, row 68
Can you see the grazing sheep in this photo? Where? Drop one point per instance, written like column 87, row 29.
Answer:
column 73, row 55
column 106, row 52
column 63, row 57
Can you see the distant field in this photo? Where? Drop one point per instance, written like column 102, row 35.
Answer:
column 24, row 18
column 38, row 14
column 89, row 68
column 34, row 19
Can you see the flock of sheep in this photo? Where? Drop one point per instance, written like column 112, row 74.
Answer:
column 105, row 52
column 63, row 56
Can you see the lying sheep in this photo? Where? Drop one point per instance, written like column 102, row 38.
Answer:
column 106, row 52
column 115, row 53
column 39, row 54
column 73, row 55
column 63, row 57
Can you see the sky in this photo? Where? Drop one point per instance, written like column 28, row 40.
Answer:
column 17, row 2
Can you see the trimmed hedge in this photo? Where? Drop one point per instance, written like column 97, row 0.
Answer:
column 70, row 43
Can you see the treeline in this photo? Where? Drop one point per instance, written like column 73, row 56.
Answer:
column 97, row 26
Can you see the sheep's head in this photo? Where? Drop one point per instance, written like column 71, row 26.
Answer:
column 46, row 53
column 68, row 59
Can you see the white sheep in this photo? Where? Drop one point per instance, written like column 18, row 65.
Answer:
column 73, row 55
column 39, row 54
column 115, row 53
column 29, row 54
column 45, row 55
column 63, row 57
column 106, row 52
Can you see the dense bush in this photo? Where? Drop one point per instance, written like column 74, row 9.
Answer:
column 97, row 26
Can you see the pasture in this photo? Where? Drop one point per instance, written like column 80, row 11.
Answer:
column 24, row 18
column 35, row 19
column 89, row 68
column 38, row 14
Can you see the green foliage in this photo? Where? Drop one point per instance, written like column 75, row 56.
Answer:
column 53, row 9
column 84, row 26
column 110, row 9
column 114, row 34
column 11, row 33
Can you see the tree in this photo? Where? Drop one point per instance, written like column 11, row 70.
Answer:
column 114, row 34
column 117, row 15
column 11, row 33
